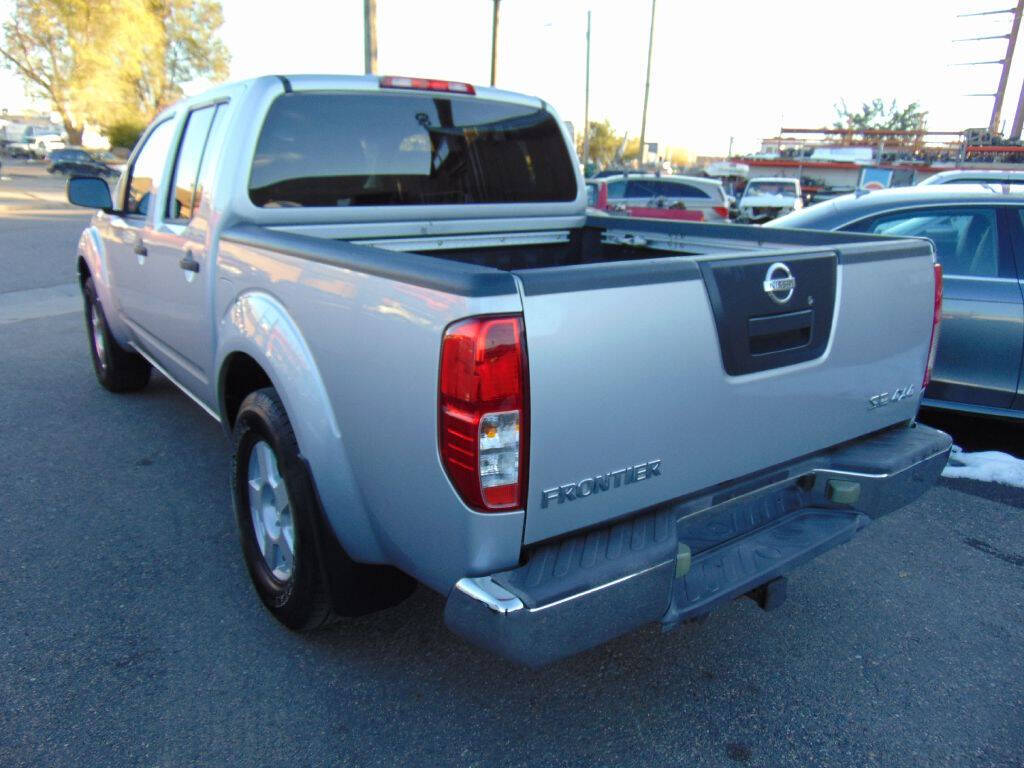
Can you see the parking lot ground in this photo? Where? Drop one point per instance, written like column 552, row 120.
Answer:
column 37, row 227
column 130, row 635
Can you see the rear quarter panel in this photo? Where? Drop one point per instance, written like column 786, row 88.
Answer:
column 355, row 357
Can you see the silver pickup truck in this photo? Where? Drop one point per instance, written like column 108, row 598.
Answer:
column 436, row 367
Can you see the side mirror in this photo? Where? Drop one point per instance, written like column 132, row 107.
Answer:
column 89, row 192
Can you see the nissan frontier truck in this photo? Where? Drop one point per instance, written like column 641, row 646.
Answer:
column 436, row 368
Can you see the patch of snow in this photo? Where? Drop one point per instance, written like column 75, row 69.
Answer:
column 986, row 466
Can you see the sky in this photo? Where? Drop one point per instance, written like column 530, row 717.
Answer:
column 743, row 68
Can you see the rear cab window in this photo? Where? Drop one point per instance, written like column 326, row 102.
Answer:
column 334, row 149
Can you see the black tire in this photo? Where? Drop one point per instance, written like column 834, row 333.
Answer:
column 117, row 369
column 324, row 582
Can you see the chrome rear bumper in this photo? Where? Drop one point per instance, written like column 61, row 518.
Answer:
column 582, row 591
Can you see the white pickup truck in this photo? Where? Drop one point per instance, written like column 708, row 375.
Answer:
column 767, row 198
column 436, row 368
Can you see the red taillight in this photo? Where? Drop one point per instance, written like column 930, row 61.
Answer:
column 933, row 345
column 425, row 84
column 484, row 414
column 721, row 210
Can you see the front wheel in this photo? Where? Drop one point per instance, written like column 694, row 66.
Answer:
column 117, row 369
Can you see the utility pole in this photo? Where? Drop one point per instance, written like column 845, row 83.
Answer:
column 586, row 104
column 370, row 36
column 730, row 147
column 647, row 88
column 494, row 42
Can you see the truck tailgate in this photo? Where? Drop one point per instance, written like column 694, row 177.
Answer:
column 654, row 379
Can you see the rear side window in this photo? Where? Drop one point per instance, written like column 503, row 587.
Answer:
column 208, row 167
column 340, row 149
column 181, row 203
column 616, row 189
column 672, row 189
column 640, row 189
column 966, row 239
column 148, row 169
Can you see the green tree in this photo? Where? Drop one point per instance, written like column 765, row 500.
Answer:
column 124, row 134
column 604, row 142
column 187, row 48
column 877, row 115
column 111, row 61
column 609, row 148
column 71, row 52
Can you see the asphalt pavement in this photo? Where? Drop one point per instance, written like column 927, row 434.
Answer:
column 130, row 635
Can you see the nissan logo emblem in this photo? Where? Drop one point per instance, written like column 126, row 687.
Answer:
column 779, row 283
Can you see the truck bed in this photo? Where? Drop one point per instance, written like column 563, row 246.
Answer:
column 606, row 239
column 654, row 344
column 599, row 240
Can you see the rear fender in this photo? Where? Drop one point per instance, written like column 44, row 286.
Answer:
column 258, row 325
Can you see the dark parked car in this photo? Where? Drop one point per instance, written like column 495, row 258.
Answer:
column 78, row 162
column 978, row 234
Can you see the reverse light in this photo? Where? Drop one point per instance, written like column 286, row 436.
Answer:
column 483, row 412
column 933, row 345
column 426, row 84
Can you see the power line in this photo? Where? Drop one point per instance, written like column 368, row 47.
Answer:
column 1005, row 62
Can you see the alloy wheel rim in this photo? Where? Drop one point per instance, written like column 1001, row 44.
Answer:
column 98, row 342
column 271, row 512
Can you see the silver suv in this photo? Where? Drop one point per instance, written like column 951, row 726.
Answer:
column 966, row 176
column 650, row 191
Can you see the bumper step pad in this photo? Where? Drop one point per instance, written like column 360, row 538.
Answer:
column 682, row 560
column 735, row 568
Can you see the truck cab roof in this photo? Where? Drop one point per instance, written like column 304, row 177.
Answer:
column 407, row 195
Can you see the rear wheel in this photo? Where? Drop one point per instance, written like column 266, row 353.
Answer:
column 276, row 513
column 301, row 573
column 117, row 369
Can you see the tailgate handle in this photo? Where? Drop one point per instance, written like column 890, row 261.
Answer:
column 778, row 333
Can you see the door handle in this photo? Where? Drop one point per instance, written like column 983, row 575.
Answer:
column 140, row 248
column 188, row 263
